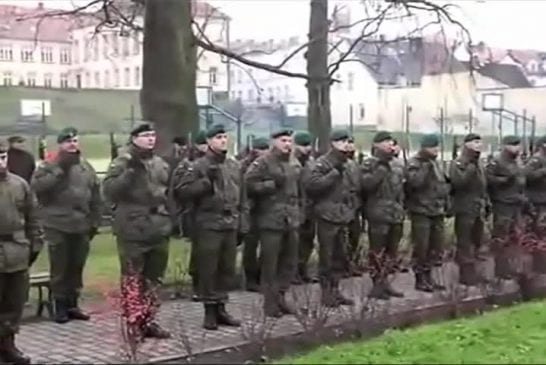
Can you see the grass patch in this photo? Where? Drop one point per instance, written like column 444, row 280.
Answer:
column 507, row 336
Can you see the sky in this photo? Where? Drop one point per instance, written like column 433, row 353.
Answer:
column 517, row 24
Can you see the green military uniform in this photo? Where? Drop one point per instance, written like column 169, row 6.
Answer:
column 212, row 184
column 355, row 226
column 273, row 183
column 427, row 200
column 333, row 190
column 383, row 182
column 251, row 264
column 535, row 174
column 68, row 190
column 21, row 238
column 136, row 183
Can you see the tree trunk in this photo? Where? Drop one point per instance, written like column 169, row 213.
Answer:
column 168, row 95
column 318, row 86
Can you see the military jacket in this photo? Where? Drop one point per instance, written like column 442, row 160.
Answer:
column 468, row 186
column 506, row 180
column 535, row 174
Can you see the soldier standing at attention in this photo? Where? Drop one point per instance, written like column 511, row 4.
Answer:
column 21, row 239
column 273, row 183
column 383, row 182
column 535, row 173
column 302, row 152
column 68, row 190
column 251, row 264
column 427, row 201
column 355, row 226
column 213, row 185
column 470, row 205
column 332, row 189
column 136, row 183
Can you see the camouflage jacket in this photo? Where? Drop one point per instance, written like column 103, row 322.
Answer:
column 20, row 228
column 383, row 182
column 69, row 202
column 427, row 188
column 535, row 174
column 277, row 207
column 354, row 171
column 468, row 185
column 306, row 203
column 505, row 180
column 139, row 197
column 217, row 205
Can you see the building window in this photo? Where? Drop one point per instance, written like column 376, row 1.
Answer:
column 48, row 80
column 47, row 55
column 76, row 52
column 338, row 77
column 278, row 92
column 127, row 77
column 97, row 79
column 239, row 76
column 125, row 45
column 116, row 78
column 137, row 76
column 361, row 111
column 270, row 95
column 286, row 92
column 350, row 81
column 64, row 81
column 115, row 45
column 105, row 45
column 31, row 79
column 6, row 79
column 65, row 55
column 27, row 54
column 6, row 53
column 212, row 76
column 136, row 44
column 106, row 79
column 95, row 48
column 86, row 49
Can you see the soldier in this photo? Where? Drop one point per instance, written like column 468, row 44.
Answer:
column 200, row 146
column 21, row 239
column 383, row 182
column 20, row 161
column 136, row 183
column 355, row 226
column 212, row 184
column 332, row 189
column 506, row 183
column 535, row 173
column 273, row 183
column 302, row 152
column 427, row 201
column 470, row 205
column 251, row 265
column 68, row 190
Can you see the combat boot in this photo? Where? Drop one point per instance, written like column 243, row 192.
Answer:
column 10, row 353
column 421, row 284
column 391, row 291
column 153, row 330
column 284, row 306
column 61, row 314
column 430, row 280
column 211, row 317
column 224, row 318
column 74, row 311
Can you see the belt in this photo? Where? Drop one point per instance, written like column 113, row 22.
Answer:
column 6, row 237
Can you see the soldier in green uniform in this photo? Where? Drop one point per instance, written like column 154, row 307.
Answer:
column 272, row 181
column 428, row 194
column 21, row 239
column 383, row 182
column 212, row 184
column 470, row 205
column 333, row 189
column 302, row 152
column 68, row 190
column 354, row 267
column 251, row 265
column 535, row 173
column 136, row 183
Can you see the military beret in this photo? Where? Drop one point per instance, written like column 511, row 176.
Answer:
column 471, row 137
column 339, row 135
column 430, row 140
column 511, row 140
column 541, row 140
column 215, row 129
column 143, row 127
column 67, row 133
column 260, row 143
column 302, row 139
column 16, row 139
column 382, row 136
column 3, row 147
column 200, row 137
column 282, row 132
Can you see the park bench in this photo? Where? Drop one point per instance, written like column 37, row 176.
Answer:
column 41, row 281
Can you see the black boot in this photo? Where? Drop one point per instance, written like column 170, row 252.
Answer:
column 421, row 284
column 224, row 318
column 74, row 311
column 430, row 280
column 10, row 353
column 391, row 291
column 211, row 317
column 284, row 306
column 61, row 314
column 153, row 330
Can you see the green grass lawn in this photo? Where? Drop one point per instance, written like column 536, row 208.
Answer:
column 508, row 336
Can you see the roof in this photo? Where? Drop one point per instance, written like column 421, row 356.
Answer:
column 510, row 75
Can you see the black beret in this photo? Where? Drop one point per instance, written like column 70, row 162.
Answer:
column 260, row 143
column 200, row 137
column 182, row 140
column 511, row 140
column 472, row 137
column 430, row 140
column 215, row 129
column 282, row 132
column 339, row 135
column 16, row 139
column 382, row 136
column 67, row 133
column 143, row 127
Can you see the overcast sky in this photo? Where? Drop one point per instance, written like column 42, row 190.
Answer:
column 501, row 23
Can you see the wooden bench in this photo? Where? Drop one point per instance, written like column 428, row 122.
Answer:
column 41, row 281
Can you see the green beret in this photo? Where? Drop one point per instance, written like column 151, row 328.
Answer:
column 215, row 129
column 541, row 140
column 143, row 127
column 339, row 135
column 260, row 143
column 430, row 140
column 16, row 139
column 472, row 137
column 382, row 136
column 67, row 133
column 200, row 137
column 282, row 132
column 302, row 139
column 511, row 140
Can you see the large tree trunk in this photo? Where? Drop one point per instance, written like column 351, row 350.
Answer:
column 318, row 87
column 168, row 95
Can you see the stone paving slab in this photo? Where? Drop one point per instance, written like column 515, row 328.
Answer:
column 98, row 341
